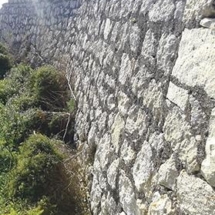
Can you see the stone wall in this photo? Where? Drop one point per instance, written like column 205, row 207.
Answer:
column 144, row 80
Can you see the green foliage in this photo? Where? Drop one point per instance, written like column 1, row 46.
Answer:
column 5, row 64
column 4, row 92
column 36, row 167
column 3, row 49
column 16, row 86
column 49, row 88
column 35, row 179
column 5, row 61
column 71, row 105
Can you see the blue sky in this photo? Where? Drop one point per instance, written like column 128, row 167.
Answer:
column 2, row 2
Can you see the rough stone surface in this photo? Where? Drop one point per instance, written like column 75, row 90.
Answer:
column 194, row 195
column 144, row 81
column 189, row 71
column 161, row 205
column 208, row 165
column 168, row 174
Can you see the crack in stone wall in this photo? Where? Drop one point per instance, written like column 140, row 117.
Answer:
column 144, row 81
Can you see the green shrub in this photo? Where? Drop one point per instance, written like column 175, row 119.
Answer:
column 5, row 65
column 71, row 105
column 3, row 49
column 49, row 88
column 16, row 86
column 4, row 91
column 37, row 165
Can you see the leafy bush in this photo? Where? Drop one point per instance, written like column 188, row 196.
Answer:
column 5, row 61
column 49, row 88
column 3, row 49
column 5, row 65
column 35, row 179
column 36, row 167
column 16, row 86
column 71, row 105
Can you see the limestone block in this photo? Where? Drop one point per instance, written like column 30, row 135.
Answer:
column 162, row 10
column 161, row 205
column 127, row 153
column 112, row 173
column 194, row 195
column 146, row 6
column 139, row 79
column 178, row 132
column 196, row 10
column 127, row 196
column 198, row 117
column 149, row 46
column 107, row 28
column 96, row 194
column 104, row 151
column 136, row 121
column 91, row 138
column 125, row 69
column 208, row 23
column 143, row 168
column 123, row 103
column 108, row 205
column 134, row 37
column 168, row 174
column 208, row 165
column 102, row 122
column 116, row 130
column 154, row 100
column 111, row 102
column 176, row 128
column 166, row 52
column 195, row 63
column 177, row 95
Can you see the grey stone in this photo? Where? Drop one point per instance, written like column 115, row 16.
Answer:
column 194, row 195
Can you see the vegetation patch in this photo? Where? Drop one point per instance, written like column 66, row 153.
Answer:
column 40, row 173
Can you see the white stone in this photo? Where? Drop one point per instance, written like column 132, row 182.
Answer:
column 104, row 151
column 96, row 194
column 208, row 165
column 149, row 46
column 195, row 63
column 127, row 196
column 177, row 95
column 112, row 173
column 161, row 205
column 166, row 52
column 162, row 11
column 127, row 153
column 107, row 28
column 102, row 122
column 111, row 102
column 134, row 37
column 178, row 132
column 154, row 100
column 91, row 139
column 125, row 69
column 123, row 103
column 116, row 130
column 176, row 128
column 196, row 10
column 143, row 167
column 136, row 121
column 208, row 23
column 168, row 174
column 195, row 196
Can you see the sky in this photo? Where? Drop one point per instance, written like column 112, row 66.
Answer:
column 2, row 2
